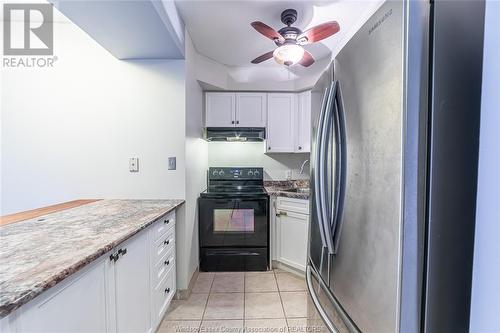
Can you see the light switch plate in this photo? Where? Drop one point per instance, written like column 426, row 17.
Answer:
column 172, row 161
column 133, row 164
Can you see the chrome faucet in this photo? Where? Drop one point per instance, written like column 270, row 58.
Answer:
column 301, row 171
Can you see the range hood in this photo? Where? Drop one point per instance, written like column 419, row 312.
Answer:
column 235, row 134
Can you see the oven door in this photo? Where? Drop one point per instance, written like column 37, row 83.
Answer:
column 234, row 222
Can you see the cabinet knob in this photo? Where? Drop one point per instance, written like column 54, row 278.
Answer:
column 167, row 262
column 122, row 252
column 114, row 257
column 300, row 147
column 166, row 221
column 166, row 241
column 232, row 122
column 167, row 290
column 237, row 121
column 269, row 148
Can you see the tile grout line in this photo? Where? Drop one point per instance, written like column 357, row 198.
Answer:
column 206, row 303
column 244, row 301
column 281, row 301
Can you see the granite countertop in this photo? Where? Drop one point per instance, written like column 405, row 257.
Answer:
column 38, row 253
column 277, row 187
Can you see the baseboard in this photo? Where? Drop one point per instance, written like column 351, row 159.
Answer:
column 288, row 268
column 185, row 293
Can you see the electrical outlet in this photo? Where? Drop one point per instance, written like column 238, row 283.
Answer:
column 133, row 164
column 172, row 163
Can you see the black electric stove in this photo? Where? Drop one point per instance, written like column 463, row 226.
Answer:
column 234, row 221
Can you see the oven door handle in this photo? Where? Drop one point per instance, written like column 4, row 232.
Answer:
column 234, row 253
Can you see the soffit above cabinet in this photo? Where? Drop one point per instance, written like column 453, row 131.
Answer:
column 145, row 29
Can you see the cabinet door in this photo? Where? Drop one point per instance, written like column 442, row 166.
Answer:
column 132, row 286
column 303, row 123
column 220, row 109
column 292, row 232
column 280, row 123
column 75, row 305
column 251, row 109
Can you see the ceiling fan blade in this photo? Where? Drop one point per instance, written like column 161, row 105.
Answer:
column 307, row 60
column 263, row 57
column 319, row 32
column 267, row 31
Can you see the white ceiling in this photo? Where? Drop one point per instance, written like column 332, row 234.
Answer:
column 221, row 30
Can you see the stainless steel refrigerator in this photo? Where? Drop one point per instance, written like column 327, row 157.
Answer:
column 393, row 172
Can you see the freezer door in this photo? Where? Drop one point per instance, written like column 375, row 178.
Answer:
column 364, row 272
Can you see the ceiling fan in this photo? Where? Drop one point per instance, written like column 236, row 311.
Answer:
column 290, row 40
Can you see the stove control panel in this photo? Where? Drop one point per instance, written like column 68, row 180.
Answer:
column 235, row 173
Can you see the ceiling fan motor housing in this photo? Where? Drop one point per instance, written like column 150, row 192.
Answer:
column 290, row 34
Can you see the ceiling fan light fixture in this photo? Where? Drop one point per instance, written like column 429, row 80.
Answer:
column 288, row 54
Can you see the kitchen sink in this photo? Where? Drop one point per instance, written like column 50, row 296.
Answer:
column 297, row 190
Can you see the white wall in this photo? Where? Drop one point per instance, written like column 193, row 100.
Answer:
column 196, row 166
column 250, row 154
column 67, row 132
column 485, row 307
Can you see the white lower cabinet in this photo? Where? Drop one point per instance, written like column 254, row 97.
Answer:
column 162, row 295
column 77, row 304
column 162, row 261
column 126, row 290
column 291, row 231
column 130, row 287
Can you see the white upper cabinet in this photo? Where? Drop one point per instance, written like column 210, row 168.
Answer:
column 280, row 123
column 220, row 109
column 303, row 123
column 286, row 116
column 236, row 109
column 251, row 109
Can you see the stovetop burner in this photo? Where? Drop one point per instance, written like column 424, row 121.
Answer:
column 230, row 182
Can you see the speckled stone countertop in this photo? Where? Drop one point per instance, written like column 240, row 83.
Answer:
column 38, row 253
column 277, row 187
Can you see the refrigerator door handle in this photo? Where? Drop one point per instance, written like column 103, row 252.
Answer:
column 324, row 314
column 341, row 166
column 317, row 157
column 317, row 304
column 326, row 218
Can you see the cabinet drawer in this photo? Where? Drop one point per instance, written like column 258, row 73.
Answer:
column 163, row 266
column 163, row 245
column 163, row 224
column 162, row 295
column 293, row 205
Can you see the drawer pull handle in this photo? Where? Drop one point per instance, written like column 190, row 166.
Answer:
column 167, row 262
column 281, row 214
column 166, row 221
column 167, row 290
column 166, row 241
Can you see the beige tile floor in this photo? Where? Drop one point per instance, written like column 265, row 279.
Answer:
column 274, row 301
